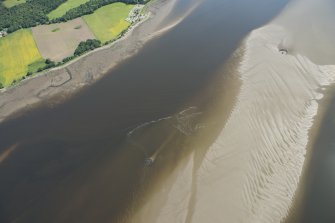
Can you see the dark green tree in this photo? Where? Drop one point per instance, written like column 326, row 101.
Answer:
column 34, row 12
column 87, row 45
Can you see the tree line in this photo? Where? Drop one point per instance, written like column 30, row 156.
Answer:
column 86, row 46
column 29, row 14
column 89, row 7
column 34, row 12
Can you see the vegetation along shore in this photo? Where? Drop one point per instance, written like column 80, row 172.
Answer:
column 42, row 34
column 52, row 86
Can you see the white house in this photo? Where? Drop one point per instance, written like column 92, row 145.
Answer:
column 3, row 33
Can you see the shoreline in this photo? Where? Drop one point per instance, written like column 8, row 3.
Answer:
column 312, row 102
column 278, row 111
column 295, row 209
column 65, row 81
column 175, row 189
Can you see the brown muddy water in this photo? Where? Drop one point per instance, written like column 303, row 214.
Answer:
column 85, row 160
column 318, row 200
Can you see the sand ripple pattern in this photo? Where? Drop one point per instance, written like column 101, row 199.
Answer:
column 251, row 172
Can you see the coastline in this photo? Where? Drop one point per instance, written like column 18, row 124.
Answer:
column 171, row 197
column 277, row 110
column 270, row 133
column 275, row 147
column 297, row 205
column 63, row 82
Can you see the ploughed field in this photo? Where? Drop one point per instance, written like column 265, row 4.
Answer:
column 57, row 41
column 25, row 51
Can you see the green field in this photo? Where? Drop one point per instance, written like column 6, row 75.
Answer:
column 36, row 65
column 18, row 51
column 109, row 21
column 66, row 6
column 11, row 3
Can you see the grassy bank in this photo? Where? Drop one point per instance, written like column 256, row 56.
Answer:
column 24, row 52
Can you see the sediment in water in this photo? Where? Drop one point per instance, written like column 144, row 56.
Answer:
column 59, row 84
column 251, row 171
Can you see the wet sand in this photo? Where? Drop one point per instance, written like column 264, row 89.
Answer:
column 252, row 171
column 317, row 139
column 63, row 82
column 227, row 136
column 317, row 202
column 171, row 195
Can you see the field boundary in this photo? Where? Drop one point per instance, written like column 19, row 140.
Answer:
column 75, row 59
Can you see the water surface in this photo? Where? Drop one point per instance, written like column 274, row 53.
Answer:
column 73, row 162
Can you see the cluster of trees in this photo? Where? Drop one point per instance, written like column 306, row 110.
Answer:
column 67, row 59
column 89, row 7
column 82, row 48
column 87, row 45
column 29, row 14
column 34, row 12
column 48, row 64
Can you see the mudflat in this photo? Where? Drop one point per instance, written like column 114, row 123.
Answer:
column 63, row 81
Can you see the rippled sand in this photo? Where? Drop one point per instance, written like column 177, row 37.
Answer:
column 251, row 171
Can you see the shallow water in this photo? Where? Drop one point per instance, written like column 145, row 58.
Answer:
column 317, row 202
column 251, row 169
column 77, row 162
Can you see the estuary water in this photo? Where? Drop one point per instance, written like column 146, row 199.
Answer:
column 318, row 202
column 208, row 121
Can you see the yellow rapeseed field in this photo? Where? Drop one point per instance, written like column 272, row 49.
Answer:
column 17, row 51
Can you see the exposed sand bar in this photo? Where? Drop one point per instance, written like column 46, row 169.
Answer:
column 66, row 80
column 252, row 170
